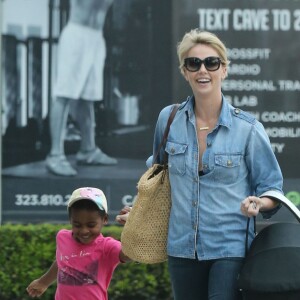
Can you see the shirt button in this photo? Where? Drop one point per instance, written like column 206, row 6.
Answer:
column 205, row 166
column 229, row 163
column 194, row 203
column 195, row 227
column 172, row 150
column 196, row 179
column 208, row 144
column 237, row 110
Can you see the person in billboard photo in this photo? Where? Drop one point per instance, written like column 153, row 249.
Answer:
column 220, row 163
column 85, row 259
column 81, row 59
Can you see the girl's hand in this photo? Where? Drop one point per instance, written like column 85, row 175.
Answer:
column 36, row 288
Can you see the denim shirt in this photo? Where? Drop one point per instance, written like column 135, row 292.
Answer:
column 205, row 217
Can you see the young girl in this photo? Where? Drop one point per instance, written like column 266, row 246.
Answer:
column 85, row 260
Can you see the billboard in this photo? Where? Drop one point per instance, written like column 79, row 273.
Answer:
column 140, row 77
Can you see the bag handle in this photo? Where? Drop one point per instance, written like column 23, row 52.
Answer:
column 247, row 233
column 280, row 198
column 165, row 136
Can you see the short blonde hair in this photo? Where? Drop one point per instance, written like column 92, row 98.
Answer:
column 196, row 36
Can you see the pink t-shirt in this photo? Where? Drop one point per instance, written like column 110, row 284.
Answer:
column 85, row 271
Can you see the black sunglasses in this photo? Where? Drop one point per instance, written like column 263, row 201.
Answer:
column 211, row 63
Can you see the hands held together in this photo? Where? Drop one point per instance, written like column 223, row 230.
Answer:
column 121, row 218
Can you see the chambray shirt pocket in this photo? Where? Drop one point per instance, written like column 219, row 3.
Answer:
column 176, row 160
column 227, row 167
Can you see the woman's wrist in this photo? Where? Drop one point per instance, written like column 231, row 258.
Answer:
column 267, row 203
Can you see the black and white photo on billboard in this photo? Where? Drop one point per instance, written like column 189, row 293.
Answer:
column 80, row 94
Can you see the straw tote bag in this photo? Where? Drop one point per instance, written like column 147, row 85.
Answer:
column 144, row 236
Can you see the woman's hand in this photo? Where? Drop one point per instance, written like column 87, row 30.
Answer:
column 121, row 218
column 251, row 206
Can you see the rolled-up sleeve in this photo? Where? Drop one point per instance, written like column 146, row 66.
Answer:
column 265, row 171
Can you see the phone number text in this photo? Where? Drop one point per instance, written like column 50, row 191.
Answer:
column 41, row 200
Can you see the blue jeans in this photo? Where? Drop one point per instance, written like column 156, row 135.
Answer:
column 205, row 280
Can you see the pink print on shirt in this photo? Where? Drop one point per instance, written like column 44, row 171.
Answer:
column 70, row 276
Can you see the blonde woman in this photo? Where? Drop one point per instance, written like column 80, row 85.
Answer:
column 220, row 162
